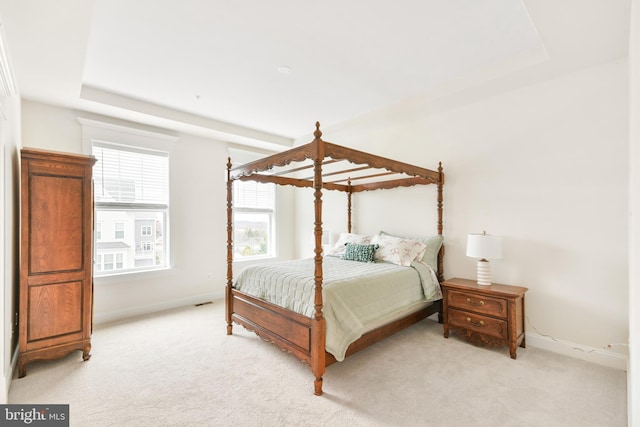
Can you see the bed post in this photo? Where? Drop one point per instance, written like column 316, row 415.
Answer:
column 441, row 252
column 318, row 327
column 228, row 295
column 349, row 205
column 440, row 183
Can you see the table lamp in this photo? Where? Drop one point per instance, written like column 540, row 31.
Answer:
column 484, row 246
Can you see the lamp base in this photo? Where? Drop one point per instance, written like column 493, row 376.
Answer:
column 484, row 272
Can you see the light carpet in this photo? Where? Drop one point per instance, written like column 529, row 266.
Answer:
column 179, row 368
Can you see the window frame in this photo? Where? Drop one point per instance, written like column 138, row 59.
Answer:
column 270, row 212
column 141, row 140
column 241, row 157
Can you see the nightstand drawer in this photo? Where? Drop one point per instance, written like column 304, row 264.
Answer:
column 478, row 303
column 481, row 324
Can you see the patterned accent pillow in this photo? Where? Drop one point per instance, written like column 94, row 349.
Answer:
column 434, row 243
column 339, row 248
column 362, row 253
column 397, row 250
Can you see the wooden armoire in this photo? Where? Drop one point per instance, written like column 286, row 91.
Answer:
column 56, row 256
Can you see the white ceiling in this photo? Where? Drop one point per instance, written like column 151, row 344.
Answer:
column 212, row 67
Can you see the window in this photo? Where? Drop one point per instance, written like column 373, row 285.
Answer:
column 119, row 261
column 253, row 219
column 109, row 262
column 119, row 226
column 98, row 231
column 131, row 193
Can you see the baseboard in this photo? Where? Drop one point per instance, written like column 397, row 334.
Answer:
column 4, row 395
column 4, row 398
column 595, row 355
column 111, row 316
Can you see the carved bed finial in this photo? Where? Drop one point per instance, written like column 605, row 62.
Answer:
column 317, row 133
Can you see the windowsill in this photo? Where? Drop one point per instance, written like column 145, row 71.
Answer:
column 133, row 276
column 255, row 258
column 245, row 262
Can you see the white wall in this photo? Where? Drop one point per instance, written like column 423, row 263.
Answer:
column 197, row 223
column 633, row 388
column 544, row 166
column 50, row 128
column 9, row 190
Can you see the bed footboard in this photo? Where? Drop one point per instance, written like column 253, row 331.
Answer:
column 290, row 331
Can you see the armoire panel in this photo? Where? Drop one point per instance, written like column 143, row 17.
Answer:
column 54, row 310
column 55, row 241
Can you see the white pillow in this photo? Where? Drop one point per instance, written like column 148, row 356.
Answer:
column 339, row 248
column 434, row 243
column 397, row 250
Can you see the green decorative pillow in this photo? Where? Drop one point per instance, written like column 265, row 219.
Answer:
column 357, row 252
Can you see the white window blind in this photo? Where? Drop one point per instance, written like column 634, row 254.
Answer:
column 253, row 195
column 130, row 176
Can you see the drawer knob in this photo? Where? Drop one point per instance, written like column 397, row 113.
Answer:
column 475, row 303
column 481, row 323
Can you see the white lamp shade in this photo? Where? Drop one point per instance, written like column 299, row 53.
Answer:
column 485, row 246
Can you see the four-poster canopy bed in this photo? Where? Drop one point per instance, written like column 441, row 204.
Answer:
column 306, row 334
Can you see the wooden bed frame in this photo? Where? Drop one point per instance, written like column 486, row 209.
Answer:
column 300, row 335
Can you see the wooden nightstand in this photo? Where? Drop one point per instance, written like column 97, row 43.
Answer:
column 484, row 315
